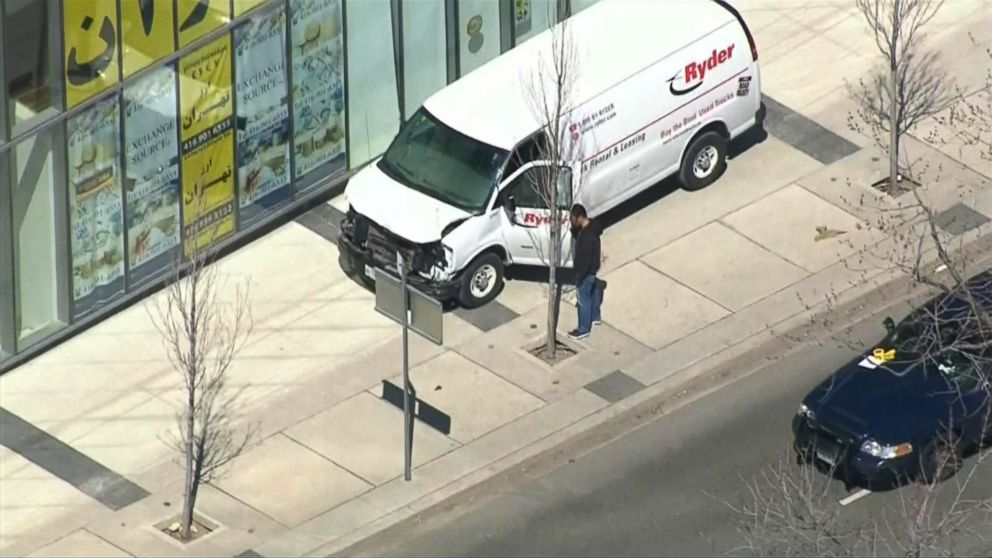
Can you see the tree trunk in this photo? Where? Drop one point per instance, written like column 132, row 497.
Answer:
column 894, row 95
column 188, row 495
column 554, row 235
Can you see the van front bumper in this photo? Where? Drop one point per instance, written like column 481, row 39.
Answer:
column 358, row 262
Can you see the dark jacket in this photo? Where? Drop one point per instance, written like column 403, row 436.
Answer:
column 587, row 250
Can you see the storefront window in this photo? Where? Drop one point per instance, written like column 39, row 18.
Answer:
column 36, row 241
column 197, row 18
column 425, row 55
column 531, row 17
column 31, row 54
column 579, row 5
column 148, row 33
column 207, row 135
column 151, row 182
column 478, row 33
column 6, row 263
column 90, row 31
column 263, row 115
column 373, row 109
column 96, row 218
column 318, row 87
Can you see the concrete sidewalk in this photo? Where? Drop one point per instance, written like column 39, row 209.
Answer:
column 695, row 279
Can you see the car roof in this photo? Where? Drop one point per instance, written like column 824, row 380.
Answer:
column 613, row 40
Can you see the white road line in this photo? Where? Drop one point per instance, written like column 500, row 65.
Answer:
column 855, row 497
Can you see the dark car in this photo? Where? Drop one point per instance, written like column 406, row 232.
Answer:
column 912, row 404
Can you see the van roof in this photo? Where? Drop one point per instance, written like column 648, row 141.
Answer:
column 613, row 40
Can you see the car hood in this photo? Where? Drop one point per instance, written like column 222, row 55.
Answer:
column 867, row 399
column 402, row 210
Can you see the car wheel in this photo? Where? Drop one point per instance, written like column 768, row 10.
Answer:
column 704, row 161
column 941, row 459
column 482, row 281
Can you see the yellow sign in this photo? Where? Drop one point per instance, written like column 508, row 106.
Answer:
column 884, row 356
column 242, row 6
column 205, row 88
column 198, row 17
column 208, row 193
column 147, row 33
column 90, row 42
column 206, row 119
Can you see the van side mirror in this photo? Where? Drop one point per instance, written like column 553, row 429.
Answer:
column 510, row 205
column 889, row 324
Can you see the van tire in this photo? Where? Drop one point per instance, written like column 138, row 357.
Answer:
column 704, row 161
column 482, row 281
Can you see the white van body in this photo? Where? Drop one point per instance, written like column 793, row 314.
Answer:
column 660, row 86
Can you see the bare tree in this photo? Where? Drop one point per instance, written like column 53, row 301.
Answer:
column 791, row 509
column 202, row 331
column 968, row 122
column 550, row 94
column 910, row 87
column 788, row 510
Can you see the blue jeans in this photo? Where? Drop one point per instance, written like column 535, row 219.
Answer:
column 590, row 299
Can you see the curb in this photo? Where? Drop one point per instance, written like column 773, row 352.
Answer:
column 888, row 289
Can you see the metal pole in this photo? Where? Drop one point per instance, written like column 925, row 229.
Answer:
column 407, row 418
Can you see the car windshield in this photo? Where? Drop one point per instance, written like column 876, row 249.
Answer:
column 436, row 160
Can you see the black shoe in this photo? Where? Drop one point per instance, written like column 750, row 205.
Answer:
column 575, row 334
column 597, row 322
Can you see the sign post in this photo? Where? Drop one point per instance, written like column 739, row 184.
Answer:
column 407, row 416
column 415, row 310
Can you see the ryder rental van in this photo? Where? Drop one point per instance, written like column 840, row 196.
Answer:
column 661, row 87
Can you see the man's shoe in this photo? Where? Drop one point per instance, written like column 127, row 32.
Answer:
column 597, row 322
column 575, row 334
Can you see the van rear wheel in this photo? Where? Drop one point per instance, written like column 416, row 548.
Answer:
column 704, row 161
column 482, row 281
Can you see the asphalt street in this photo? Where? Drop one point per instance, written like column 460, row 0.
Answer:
column 662, row 490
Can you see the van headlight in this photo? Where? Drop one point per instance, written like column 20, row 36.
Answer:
column 883, row 451
column 804, row 411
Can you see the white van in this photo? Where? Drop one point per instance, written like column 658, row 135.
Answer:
column 662, row 86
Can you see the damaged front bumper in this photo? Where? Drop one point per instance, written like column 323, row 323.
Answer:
column 365, row 246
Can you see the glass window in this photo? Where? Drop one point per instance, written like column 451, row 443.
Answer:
column 263, row 117
column 197, row 18
column 6, row 264
column 373, row 108
column 148, row 33
column 95, row 206
column 36, row 244
column 425, row 54
column 444, row 164
column 318, row 87
column 528, row 188
column 151, row 182
column 31, row 61
column 478, row 33
column 579, row 5
column 91, row 48
column 531, row 17
column 207, row 143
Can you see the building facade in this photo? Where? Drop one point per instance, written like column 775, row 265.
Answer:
column 132, row 129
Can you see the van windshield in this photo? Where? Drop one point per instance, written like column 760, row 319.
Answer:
column 442, row 163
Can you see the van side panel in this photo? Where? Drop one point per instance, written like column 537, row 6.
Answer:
column 634, row 134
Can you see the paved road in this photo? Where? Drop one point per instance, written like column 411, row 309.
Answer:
column 659, row 491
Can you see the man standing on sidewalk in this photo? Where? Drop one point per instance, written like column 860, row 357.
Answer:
column 586, row 244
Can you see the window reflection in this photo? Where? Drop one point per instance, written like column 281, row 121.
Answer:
column 31, row 59
column 35, row 240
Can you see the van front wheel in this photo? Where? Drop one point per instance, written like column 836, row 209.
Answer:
column 482, row 281
column 704, row 161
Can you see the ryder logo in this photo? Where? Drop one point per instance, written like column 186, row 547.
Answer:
column 692, row 76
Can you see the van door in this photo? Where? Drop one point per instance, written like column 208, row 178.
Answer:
column 526, row 216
